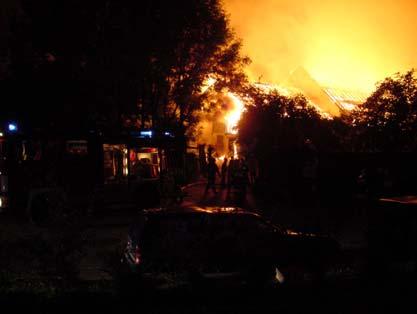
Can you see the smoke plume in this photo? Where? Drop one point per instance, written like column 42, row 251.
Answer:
column 341, row 43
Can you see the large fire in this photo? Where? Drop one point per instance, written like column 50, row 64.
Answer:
column 234, row 112
column 346, row 43
column 232, row 116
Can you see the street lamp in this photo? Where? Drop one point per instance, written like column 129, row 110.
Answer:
column 12, row 127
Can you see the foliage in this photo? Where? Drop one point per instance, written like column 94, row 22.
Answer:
column 96, row 61
column 294, row 121
column 387, row 121
column 41, row 258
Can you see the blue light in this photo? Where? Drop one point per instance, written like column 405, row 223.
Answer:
column 146, row 133
column 12, row 127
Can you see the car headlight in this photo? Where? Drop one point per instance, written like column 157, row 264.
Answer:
column 279, row 277
column 3, row 202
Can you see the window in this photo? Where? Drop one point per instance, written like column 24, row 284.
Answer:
column 30, row 150
column 77, row 147
column 115, row 162
column 144, row 163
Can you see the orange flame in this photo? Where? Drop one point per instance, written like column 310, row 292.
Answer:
column 233, row 116
column 235, row 153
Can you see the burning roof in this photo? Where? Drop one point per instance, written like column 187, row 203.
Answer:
column 347, row 100
column 328, row 100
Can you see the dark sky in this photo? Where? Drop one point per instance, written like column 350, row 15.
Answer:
column 8, row 8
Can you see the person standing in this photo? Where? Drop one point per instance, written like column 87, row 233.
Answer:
column 212, row 170
column 230, row 174
column 244, row 173
column 224, row 173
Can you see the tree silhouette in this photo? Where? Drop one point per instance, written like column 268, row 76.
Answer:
column 387, row 121
column 93, row 62
column 274, row 123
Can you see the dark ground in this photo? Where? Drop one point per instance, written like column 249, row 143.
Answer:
column 353, row 286
column 342, row 297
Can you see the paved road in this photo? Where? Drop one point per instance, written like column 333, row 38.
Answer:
column 197, row 195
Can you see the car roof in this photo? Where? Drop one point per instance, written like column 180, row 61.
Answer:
column 212, row 210
column 406, row 200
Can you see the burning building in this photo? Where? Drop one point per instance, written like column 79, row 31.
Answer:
column 332, row 101
column 218, row 126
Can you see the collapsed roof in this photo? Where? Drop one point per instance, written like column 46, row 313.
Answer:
column 332, row 101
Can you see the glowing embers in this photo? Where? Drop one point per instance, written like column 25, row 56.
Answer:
column 271, row 88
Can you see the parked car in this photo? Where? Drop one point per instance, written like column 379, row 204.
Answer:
column 220, row 245
column 392, row 235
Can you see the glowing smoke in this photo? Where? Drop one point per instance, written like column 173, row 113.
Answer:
column 345, row 43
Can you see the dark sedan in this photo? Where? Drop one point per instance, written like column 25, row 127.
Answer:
column 206, row 245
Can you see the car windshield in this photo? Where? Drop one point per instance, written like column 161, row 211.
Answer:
column 203, row 237
column 173, row 237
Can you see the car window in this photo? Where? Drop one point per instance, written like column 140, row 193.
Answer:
column 174, row 236
column 249, row 224
column 190, row 238
column 254, row 224
column 224, row 242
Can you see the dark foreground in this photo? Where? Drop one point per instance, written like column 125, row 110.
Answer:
column 368, row 288
column 395, row 295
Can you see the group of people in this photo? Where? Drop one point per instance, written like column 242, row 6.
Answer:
column 233, row 173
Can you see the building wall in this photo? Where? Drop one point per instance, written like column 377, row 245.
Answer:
column 213, row 133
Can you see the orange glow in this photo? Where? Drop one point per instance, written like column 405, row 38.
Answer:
column 235, row 153
column 219, row 160
column 232, row 117
column 125, row 162
column 345, row 43
column 207, row 84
